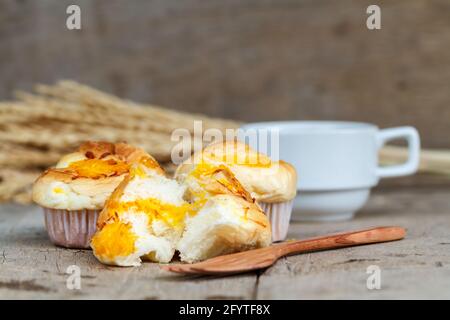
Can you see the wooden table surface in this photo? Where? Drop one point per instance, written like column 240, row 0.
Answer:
column 416, row 267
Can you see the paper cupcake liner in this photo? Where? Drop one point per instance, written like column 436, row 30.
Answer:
column 71, row 228
column 279, row 215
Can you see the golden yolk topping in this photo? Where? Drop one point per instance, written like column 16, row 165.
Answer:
column 113, row 240
column 205, row 173
column 96, row 168
column 149, row 162
column 154, row 209
column 205, row 169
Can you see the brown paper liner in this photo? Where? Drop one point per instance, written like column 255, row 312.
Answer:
column 71, row 228
column 279, row 215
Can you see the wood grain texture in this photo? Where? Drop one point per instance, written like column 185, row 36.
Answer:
column 262, row 258
column 249, row 60
column 31, row 267
column 416, row 267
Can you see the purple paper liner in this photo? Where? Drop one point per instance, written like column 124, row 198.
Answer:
column 279, row 215
column 71, row 228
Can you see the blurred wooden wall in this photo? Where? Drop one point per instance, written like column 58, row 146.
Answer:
column 244, row 59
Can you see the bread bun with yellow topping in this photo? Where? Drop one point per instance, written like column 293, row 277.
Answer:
column 273, row 184
column 266, row 180
column 86, row 178
column 75, row 190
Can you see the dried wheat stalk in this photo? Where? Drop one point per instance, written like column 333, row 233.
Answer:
column 38, row 128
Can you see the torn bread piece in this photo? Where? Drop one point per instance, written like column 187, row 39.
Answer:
column 226, row 218
column 142, row 220
column 225, row 224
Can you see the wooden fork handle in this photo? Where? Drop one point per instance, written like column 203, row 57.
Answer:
column 346, row 239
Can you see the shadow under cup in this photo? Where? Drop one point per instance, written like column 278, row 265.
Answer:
column 336, row 161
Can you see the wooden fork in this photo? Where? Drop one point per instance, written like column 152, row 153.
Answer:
column 265, row 257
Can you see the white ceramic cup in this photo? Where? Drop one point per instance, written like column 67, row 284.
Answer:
column 337, row 163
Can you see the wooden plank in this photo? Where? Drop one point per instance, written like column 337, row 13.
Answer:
column 249, row 60
column 415, row 268
column 32, row 268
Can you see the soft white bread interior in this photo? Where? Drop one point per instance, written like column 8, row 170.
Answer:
column 265, row 180
column 225, row 224
column 143, row 219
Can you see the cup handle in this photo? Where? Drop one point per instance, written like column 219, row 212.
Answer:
column 411, row 136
